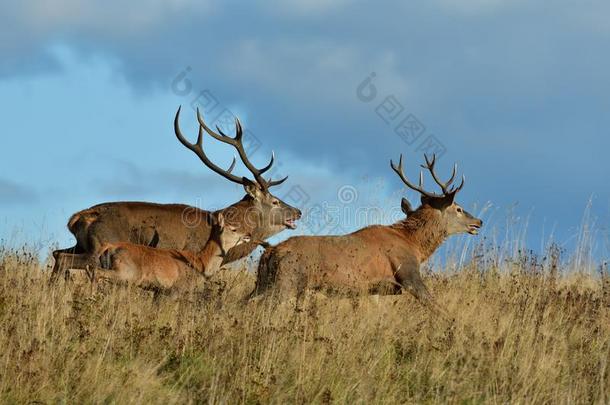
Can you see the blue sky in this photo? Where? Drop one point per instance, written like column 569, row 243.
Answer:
column 516, row 92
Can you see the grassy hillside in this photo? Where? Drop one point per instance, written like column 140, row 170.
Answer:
column 527, row 333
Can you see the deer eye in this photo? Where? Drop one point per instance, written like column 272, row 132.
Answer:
column 460, row 210
column 275, row 202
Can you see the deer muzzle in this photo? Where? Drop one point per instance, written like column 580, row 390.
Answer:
column 474, row 227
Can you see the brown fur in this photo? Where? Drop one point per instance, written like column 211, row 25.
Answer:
column 165, row 226
column 165, row 268
column 362, row 261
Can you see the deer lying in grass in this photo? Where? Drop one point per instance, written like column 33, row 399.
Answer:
column 165, row 268
column 176, row 226
column 373, row 257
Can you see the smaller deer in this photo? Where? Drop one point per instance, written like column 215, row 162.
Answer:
column 378, row 258
column 166, row 268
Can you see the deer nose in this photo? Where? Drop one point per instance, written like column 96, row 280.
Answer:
column 299, row 214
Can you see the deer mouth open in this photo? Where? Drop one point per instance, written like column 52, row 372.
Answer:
column 473, row 229
column 291, row 224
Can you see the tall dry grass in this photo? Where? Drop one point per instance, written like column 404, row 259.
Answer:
column 524, row 331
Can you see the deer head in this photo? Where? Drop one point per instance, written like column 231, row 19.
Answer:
column 261, row 211
column 226, row 234
column 451, row 215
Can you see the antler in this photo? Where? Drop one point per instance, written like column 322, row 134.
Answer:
column 197, row 148
column 444, row 186
column 430, row 166
column 236, row 142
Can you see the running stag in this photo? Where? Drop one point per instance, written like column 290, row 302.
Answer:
column 373, row 258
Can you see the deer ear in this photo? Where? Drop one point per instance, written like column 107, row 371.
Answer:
column 252, row 189
column 405, row 205
column 220, row 220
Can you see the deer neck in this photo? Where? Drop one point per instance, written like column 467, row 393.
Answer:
column 237, row 211
column 424, row 229
column 241, row 212
column 211, row 256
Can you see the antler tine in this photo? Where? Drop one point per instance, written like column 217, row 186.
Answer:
column 456, row 189
column 430, row 163
column 200, row 137
column 398, row 169
column 453, row 173
column 239, row 133
column 219, row 137
column 230, row 169
column 269, row 165
column 255, row 172
column 272, row 183
column 197, row 148
column 220, row 131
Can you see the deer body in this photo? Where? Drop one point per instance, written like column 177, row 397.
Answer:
column 166, row 268
column 148, row 224
column 377, row 258
column 373, row 259
column 145, row 266
column 165, row 226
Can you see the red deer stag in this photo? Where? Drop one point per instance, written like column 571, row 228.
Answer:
column 373, row 257
column 166, row 268
column 176, row 226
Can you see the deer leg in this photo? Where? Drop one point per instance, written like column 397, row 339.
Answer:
column 67, row 261
column 408, row 275
column 59, row 267
column 91, row 275
column 82, row 259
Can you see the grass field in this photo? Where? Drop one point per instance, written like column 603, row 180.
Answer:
column 528, row 332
